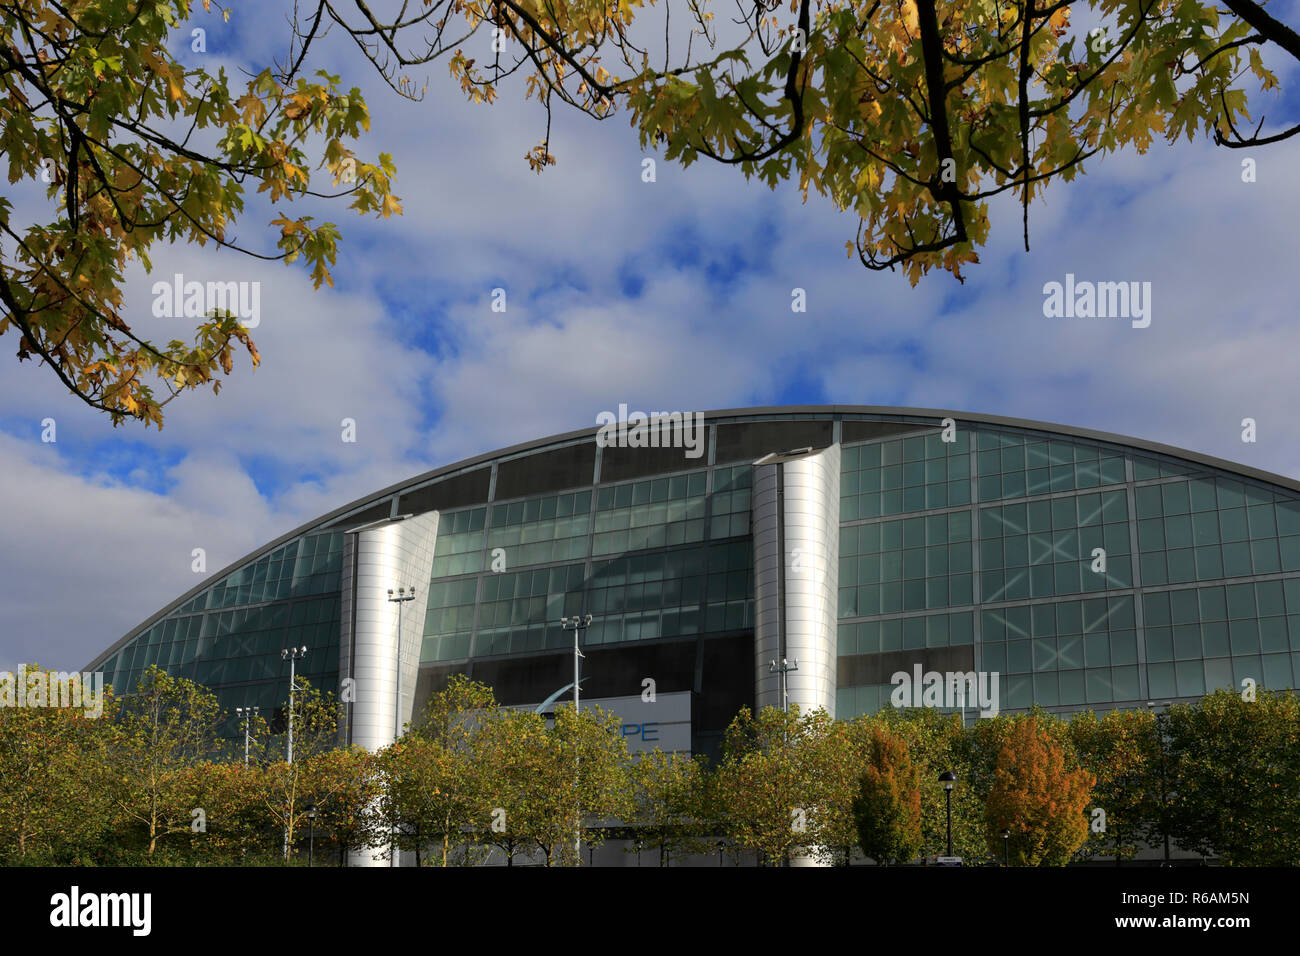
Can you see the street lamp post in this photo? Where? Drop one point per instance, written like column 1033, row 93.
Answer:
column 311, row 833
column 401, row 598
column 1006, row 846
column 949, row 780
column 784, row 667
column 292, row 655
column 577, row 624
column 247, row 713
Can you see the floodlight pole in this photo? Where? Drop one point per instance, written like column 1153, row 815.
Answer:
column 401, row 598
column 783, row 667
column 576, row 624
column 248, row 713
column 292, row 655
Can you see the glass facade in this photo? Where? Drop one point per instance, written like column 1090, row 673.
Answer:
column 1096, row 576
column 1086, row 573
column 657, row 558
column 230, row 635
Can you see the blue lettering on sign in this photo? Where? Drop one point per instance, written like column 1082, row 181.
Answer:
column 648, row 732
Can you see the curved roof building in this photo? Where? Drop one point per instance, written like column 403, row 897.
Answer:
column 1070, row 568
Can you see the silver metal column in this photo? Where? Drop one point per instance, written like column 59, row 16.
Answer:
column 387, row 554
column 796, row 523
column 796, row 515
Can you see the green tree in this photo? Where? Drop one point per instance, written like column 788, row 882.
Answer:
column 908, row 115
column 345, row 786
column 937, row 742
column 887, row 809
column 132, row 147
column 590, row 770
column 317, row 718
column 541, row 788
column 769, row 786
column 522, row 803
column 451, row 716
column 52, row 810
column 1233, row 766
column 437, row 782
column 836, row 756
column 1121, row 750
column 316, row 721
column 1038, row 795
column 155, row 738
column 236, row 828
column 670, row 808
column 426, row 794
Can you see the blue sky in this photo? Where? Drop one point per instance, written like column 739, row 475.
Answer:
column 666, row 295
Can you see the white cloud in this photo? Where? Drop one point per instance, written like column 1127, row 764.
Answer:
column 409, row 348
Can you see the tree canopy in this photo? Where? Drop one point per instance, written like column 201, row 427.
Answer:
column 909, row 115
column 912, row 114
column 133, row 147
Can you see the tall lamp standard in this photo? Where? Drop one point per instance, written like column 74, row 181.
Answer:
column 577, row 624
column 401, row 598
column 292, row 655
column 311, row 832
column 1006, row 846
column 949, row 780
column 247, row 714
column 1164, row 795
column 784, row 667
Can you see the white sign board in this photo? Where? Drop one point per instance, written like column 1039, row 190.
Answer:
column 664, row 722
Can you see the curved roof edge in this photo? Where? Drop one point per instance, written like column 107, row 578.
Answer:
column 823, row 411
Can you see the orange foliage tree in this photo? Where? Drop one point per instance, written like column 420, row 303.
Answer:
column 1040, row 795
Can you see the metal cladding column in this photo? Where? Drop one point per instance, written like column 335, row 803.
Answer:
column 389, row 554
column 796, row 523
column 379, row 557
